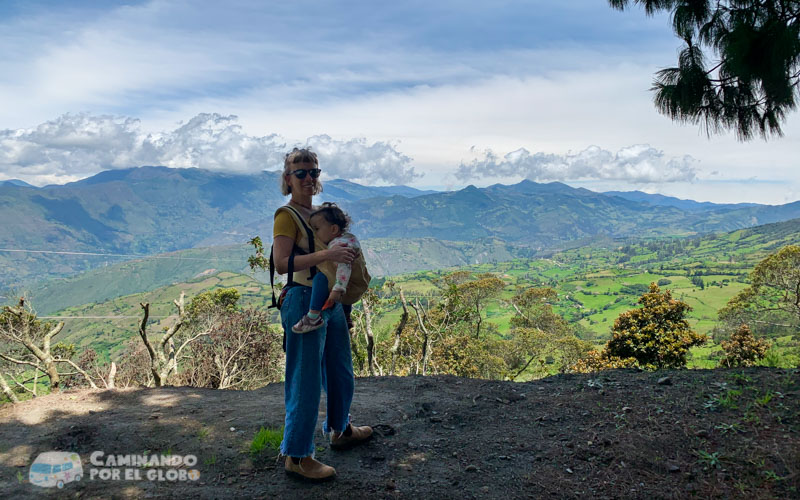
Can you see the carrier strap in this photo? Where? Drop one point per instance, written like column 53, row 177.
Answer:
column 290, row 271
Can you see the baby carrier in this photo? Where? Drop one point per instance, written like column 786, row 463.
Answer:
column 309, row 243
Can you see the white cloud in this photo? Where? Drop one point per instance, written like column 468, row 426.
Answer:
column 362, row 162
column 635, row 164
column 74, row 146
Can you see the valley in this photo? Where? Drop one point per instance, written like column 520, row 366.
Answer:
column 595, row 284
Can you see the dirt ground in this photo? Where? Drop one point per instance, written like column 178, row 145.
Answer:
column 619, row 434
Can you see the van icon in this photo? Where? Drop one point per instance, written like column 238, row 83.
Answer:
column 55, row 468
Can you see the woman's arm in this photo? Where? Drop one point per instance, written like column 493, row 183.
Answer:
column 282, row 249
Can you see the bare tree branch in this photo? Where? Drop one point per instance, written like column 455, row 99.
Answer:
column 7, row 390
column 32, row 392
column 426, row 344
column 143, row 330
column 174, row 328
column 19, row 361
column 79, row 370
column 399, row 330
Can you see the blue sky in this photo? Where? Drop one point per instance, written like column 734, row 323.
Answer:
column 432, row 94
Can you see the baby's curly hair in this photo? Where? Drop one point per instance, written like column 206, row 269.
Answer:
column 334, row 215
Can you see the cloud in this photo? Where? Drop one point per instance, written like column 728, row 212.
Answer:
column 635, row 164
column 75, row 146
column 363, row 162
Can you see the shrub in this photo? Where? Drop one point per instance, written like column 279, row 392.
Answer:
column 596, row 361
column 466, row 356
column 657, row 335
column 743, row 349
column 654, row 336
column 241, row 351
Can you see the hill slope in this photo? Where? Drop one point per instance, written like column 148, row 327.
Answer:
column 385, row 257
column 598, row 282
column 595, row 283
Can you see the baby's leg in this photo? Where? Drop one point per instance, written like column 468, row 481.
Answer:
column 319, row 292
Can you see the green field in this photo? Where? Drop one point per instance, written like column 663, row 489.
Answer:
column 596, row 284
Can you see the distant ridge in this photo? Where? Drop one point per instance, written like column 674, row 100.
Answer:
column 351, row 191
column 17, row 182
column 669, row 201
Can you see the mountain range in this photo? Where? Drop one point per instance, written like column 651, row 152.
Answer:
column 151, row 210
column 671, row 201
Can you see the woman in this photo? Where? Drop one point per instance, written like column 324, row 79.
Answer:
column 319, row 359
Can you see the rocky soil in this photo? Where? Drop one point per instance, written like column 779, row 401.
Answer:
column 619, row 434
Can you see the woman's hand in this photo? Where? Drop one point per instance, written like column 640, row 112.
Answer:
column 338, row 253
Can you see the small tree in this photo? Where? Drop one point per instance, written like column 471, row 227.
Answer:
column 20, row 329
column 363, row 335
column 595, row 361
column 212, row 302
column 104, row 373
column 134, row 365
column 773, row 298
column 398, row 329
column 164, row 355
column 538, row 333
column 467, row 356
column 466, row 299
column 241, row 351
column 743, row 349
column 657, row 334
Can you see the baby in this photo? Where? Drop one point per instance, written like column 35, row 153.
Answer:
column 330, row 225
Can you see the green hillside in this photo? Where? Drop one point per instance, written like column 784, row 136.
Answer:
column 595, row 284
column 134, row 276
column 384, row 257
column 108, row 336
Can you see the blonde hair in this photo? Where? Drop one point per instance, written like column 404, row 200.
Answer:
column 295, row 157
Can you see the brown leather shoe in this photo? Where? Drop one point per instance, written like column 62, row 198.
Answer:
column 358, row 435
column 309, row 469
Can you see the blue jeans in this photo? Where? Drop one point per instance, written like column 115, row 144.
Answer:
column 319, row 292
column 317, row 360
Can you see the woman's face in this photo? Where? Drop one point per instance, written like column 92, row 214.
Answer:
column 307, row 184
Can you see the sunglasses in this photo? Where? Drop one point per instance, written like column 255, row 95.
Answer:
column 301, row 173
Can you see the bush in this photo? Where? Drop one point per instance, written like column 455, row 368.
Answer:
column 657, row 335
column 466, row 356
column 743, row 349
column 240, row 352
column 664, row 282
column 654, row 336
column 596, row 361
